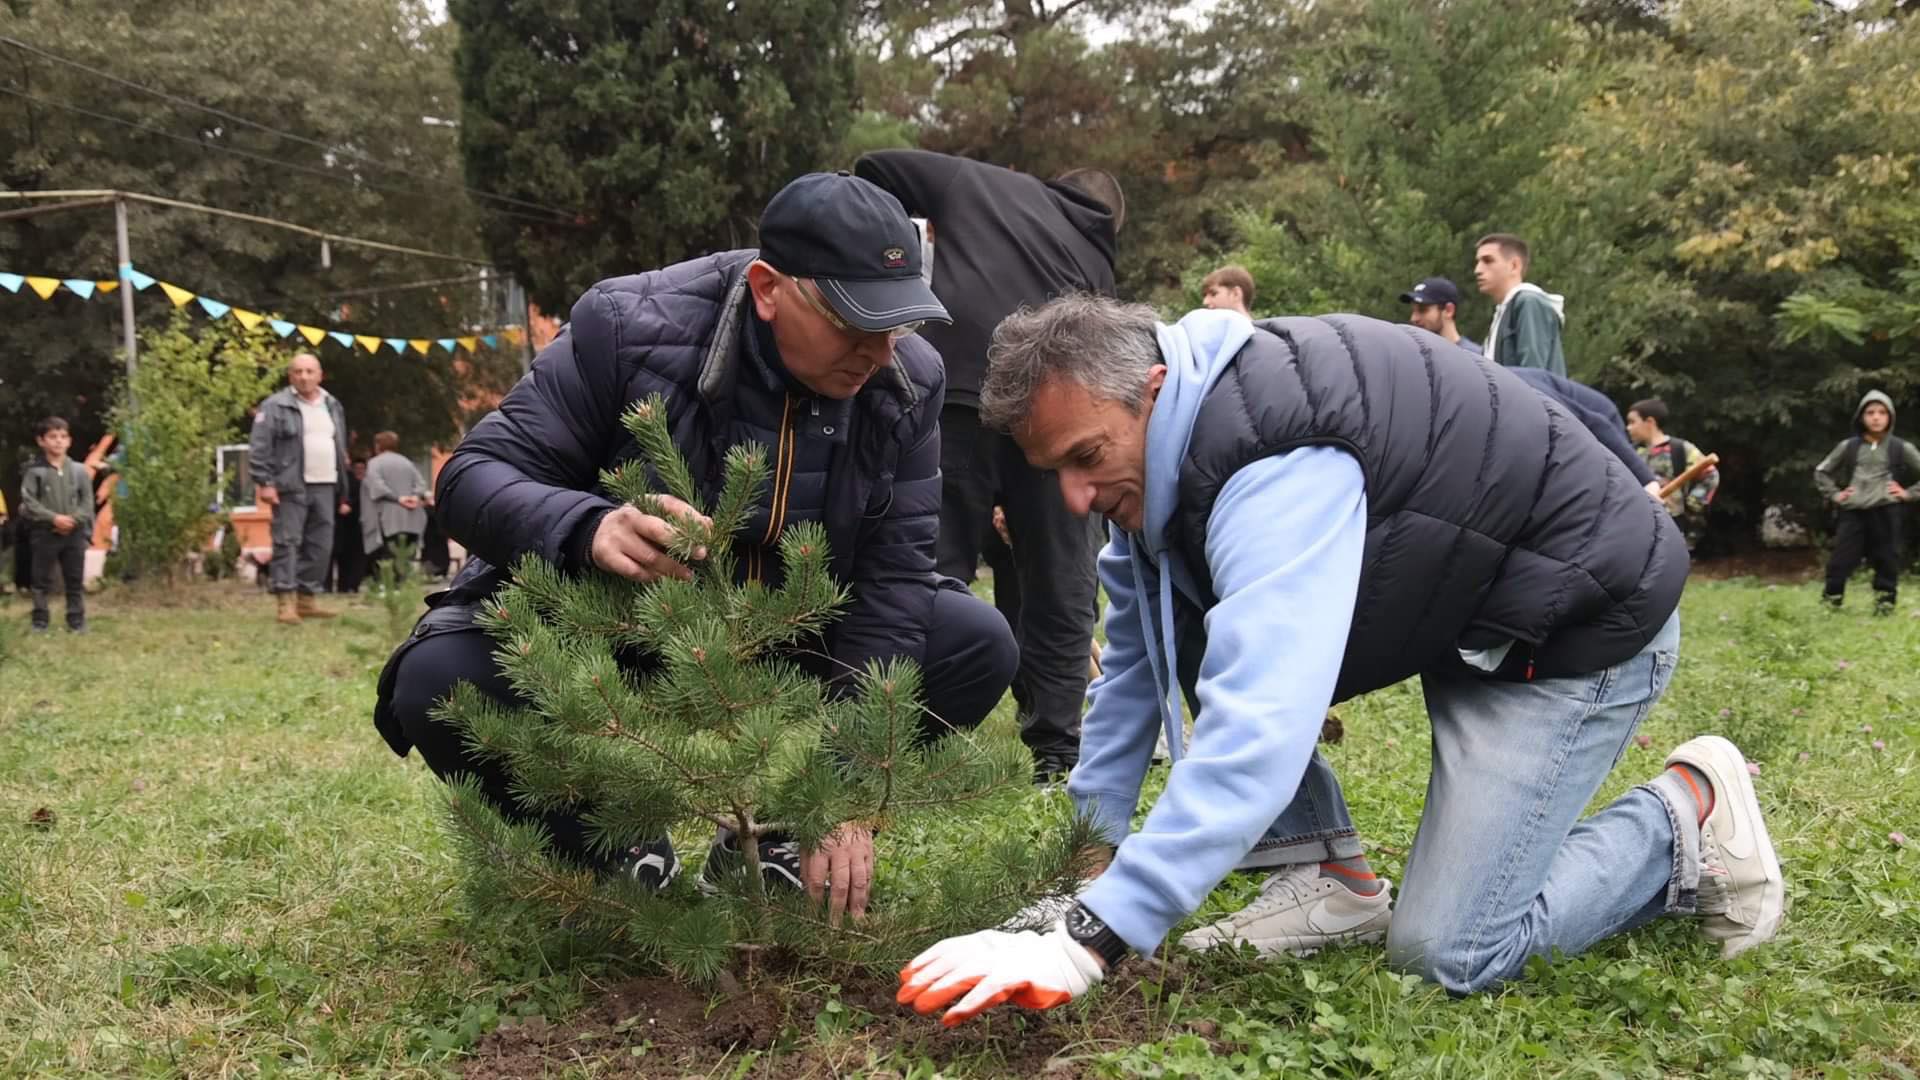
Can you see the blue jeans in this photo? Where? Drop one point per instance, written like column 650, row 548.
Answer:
column 1503, row 868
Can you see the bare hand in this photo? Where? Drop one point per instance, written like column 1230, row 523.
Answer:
column 633, row 543
column 62, row 524
column 411, row 502
column 1653, row 492
column 845, row 865
column 1894, row 489
column 266, row 495
column 1845, row 493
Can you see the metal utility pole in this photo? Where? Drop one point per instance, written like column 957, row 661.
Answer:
column 126, row 283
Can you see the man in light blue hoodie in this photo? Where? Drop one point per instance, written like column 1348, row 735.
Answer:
column 1302, row 510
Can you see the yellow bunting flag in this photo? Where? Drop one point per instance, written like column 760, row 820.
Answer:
column 313, row 334
column 368, row 342
column 175, row 293
column 419, row 345
column 45, row 286
column 513, row 334
column 248, row 319
column 470, row 344
column 106, row 286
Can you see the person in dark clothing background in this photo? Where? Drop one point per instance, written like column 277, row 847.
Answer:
column 805, row 347
column 349, row 554
column 1003, row 240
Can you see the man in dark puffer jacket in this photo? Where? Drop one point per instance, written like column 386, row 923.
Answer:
column 805, row 347
column 1307, row 509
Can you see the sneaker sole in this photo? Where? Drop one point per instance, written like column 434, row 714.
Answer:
column 1726, row 768
column 1287, row 945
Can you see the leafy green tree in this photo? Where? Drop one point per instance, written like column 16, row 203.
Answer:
column 188, row 396
column 667, row 125
column 365, row 87
column 720, row 731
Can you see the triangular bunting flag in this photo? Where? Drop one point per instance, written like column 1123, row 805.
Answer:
column 280, row 326
column 419, row 345
column 140, row 281
column 399, row 344
column 45, row 286
column 106, row 286
column 492, row 340
column 248, row 319
column 371, row 344
column 445, row 343
column 313, row 334
column 175, row 293
column 11, row 282
column 213, row 307
column 513, row 334
column 468, row 343
column 83, row 287
column 345, row 339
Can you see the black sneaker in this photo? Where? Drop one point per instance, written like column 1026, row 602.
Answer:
column 1883, row 604
column 1051, row 765
column 779, row 862
column 1831, row 601
column 652, row 865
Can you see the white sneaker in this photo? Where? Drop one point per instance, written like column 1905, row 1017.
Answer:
column 1300, row 912
column 1742, row 896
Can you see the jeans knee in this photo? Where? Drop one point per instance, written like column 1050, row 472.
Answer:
column 1451, row 964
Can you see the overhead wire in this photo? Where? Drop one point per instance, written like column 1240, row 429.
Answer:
column 327, row 174
column 256, row 125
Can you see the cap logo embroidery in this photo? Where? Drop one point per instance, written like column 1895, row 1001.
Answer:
column 896, row 257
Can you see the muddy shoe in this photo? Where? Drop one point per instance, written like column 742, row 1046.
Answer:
column 289, row 612
column 310, row 609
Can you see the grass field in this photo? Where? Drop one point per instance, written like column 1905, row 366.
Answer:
column 211, row 865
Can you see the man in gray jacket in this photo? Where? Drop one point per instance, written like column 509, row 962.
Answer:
column 298, row 462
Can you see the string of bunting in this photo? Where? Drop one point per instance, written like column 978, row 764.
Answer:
column 86, row 288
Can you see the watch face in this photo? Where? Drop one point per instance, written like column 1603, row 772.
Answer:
column 1082, row 923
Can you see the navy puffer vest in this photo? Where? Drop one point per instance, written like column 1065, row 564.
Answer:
column 1492, row 514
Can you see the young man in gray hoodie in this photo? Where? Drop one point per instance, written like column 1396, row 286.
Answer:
column 1527, row 322
column 1870, row 477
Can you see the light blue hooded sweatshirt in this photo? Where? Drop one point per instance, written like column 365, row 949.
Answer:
column 1284, row 543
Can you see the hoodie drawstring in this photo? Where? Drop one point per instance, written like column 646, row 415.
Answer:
column 1165, row 664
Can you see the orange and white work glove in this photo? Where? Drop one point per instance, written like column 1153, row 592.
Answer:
column 1030, row 969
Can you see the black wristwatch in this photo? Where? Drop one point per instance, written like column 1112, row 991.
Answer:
column 1088, row 929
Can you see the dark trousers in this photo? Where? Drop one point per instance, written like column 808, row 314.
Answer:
column 385, row 551
column 68, row 554
column 303, row 538
column 349, row 555
column 968, row 662
column 434, row 553
column 1873, row 534
column 1045, row 585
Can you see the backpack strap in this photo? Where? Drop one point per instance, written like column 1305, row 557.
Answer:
column 1680, row 451
column 1849, row 458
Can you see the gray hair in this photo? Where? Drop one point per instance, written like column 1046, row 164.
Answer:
column 1105, row 346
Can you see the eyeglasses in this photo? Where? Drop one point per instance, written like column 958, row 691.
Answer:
column 834, row 320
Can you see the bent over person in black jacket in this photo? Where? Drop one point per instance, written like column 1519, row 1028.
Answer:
column 805, row 347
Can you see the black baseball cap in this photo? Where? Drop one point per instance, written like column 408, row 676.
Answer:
column 856, row 242
column 1434, row 290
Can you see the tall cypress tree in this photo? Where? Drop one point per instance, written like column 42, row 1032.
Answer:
column 717, row 729
column 666, row 124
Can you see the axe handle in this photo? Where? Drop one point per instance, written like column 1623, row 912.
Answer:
column 1690, row 475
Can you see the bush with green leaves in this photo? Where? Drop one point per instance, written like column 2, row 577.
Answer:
column 187, row 395
column 721, row 729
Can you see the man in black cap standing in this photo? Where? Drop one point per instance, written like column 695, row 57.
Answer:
column 806, row 347
column 1435, row 303
column 1006, row 239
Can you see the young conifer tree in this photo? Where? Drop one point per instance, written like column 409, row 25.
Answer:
column 714, row 729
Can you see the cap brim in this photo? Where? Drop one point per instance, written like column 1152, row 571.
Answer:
column 1407, row 298
column 883, row 305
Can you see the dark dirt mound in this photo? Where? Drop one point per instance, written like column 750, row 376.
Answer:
column 1785, row 566
column 655, row 1027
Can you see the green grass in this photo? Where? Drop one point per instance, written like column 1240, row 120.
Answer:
column 233, row 874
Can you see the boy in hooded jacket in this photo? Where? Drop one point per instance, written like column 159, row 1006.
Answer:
column 1869, row 477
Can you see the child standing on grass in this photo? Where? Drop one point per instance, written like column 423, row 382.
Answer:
column 1869, row 477
column 56, row 505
